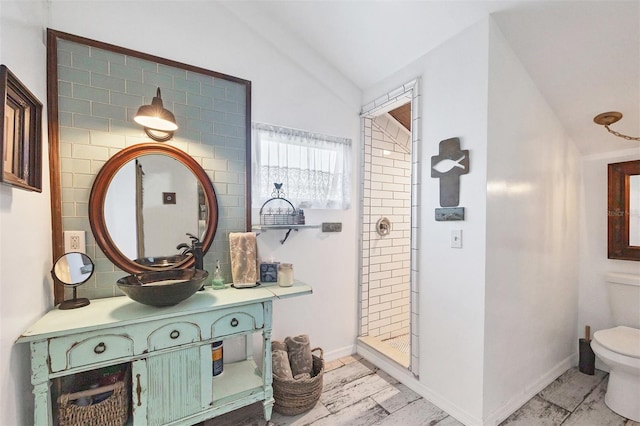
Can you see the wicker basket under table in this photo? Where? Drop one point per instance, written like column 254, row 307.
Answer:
column 113, row 411
column 297, row 396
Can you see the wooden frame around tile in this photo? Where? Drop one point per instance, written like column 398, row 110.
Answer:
column 53, row 36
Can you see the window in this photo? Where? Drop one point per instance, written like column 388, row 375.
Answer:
column 314, row 169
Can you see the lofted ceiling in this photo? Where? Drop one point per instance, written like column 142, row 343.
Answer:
column 584, row 56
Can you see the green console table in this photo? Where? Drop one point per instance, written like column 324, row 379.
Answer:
column 168, row 350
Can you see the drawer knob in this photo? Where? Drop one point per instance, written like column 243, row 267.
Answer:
column 234, row 322
column 100, row 348
column 139, row 390
column 174, row 334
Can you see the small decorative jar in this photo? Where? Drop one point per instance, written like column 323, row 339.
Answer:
column 269, row 272
column 285, row 275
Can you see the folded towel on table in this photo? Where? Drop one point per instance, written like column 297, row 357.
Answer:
column 244, row 258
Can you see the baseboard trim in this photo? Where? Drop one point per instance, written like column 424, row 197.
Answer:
column 501, row 413
column 404, row 376
column 340, row 353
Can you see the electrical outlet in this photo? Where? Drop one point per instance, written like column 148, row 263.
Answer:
column 74, row 241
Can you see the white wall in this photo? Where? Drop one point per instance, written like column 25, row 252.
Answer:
column 210, row 36
column 120, row 210
column 25, row 220
column 452, row 291
column 594, row 265
column 454, row 94
column 531, row 284
column 164, row 174
column 497, row 317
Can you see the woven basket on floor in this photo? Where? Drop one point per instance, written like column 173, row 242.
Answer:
column 112, row 411
column 297, row 396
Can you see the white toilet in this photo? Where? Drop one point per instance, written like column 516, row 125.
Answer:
column 619, row 347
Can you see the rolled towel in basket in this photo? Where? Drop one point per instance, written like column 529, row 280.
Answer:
column 300, row 356
column 280, row 361
column 277, row 345
column 302, row 376
column 244, row 258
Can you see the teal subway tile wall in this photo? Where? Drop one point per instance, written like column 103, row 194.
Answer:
column 99, row 91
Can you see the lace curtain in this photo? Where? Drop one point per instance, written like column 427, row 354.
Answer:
column 314, row 169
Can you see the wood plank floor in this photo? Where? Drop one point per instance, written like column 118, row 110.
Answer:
column 356, row 393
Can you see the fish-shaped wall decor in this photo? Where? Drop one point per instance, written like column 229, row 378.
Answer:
column 448, row 165
column 443, row 166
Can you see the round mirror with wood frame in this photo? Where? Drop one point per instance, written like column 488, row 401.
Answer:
column 99, row 194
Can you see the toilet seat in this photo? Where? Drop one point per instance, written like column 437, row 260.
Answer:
column 622, row 340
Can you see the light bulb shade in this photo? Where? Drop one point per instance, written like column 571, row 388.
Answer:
column 156, row 116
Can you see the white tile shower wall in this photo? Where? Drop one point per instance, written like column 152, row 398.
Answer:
column 366, row 221
column 400, row 136
column 99, row 92
column 386, row 259
column 416, row 179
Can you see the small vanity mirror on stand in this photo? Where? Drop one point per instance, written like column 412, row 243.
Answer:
column 72, row 270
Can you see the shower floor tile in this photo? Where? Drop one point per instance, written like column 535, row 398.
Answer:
column 391, row 352
column 401, row 343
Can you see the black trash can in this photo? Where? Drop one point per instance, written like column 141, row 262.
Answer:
column 587, row 360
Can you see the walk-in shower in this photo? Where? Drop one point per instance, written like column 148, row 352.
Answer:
column 388, row 239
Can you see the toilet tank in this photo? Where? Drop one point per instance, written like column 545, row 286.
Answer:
column 624, row 298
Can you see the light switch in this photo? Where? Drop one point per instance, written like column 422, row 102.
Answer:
column 456, row 238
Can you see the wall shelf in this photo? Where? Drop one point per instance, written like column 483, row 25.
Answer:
column 289, row 228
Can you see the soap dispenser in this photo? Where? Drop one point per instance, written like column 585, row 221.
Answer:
column 217, row 282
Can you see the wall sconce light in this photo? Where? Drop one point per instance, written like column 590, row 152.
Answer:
column 608, row 118
column 159, row 123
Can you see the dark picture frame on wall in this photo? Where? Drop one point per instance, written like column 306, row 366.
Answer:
column 620, row 205
column 20, row 134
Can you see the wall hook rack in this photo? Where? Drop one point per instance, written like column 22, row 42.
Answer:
column 286, row 236
column 288, row 228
